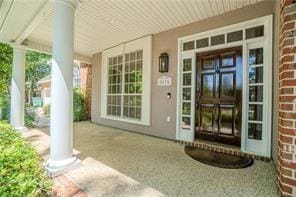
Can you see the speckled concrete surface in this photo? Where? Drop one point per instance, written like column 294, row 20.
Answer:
column 92, row 178
column 163, row 165
column 97, row 179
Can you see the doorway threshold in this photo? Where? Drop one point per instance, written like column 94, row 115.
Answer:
column 222, row 148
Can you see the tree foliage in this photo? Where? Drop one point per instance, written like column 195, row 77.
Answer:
column 5, row 75
column 37, row 67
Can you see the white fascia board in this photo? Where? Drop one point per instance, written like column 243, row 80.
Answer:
column 39, row 17
column 48, row 50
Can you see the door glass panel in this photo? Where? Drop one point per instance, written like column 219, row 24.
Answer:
column 255, row 32
column 215, row 40
column 226, row 122
column 187, row 79
column 255, row 93
column 202, row 43
column 207, row 118
column 186, row 94
column 188, row 46
column 255, row 131
column 227, row 85
column 227, row 60
column 186, row 108
column 187, row 65
column 207, row 85
column 256, row 56
column 255, row 112
column 208, row 63
column 235, row 36
column 256, row 74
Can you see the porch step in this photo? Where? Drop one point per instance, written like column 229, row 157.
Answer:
column 221, row 148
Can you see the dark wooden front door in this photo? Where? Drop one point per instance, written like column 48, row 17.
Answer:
column 219, row 96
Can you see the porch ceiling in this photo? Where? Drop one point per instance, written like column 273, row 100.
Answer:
column 100, row 24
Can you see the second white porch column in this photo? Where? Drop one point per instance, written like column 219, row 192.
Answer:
column 61, row 113
column 17, row 93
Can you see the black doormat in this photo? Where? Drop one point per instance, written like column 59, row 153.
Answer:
column 218, row 159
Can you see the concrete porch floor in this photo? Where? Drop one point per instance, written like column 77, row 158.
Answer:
column 157, row 166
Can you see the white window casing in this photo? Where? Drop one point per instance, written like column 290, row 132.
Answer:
column 144, row 44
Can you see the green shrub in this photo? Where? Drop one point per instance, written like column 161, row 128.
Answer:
column 79, row 110
column 4, row 108
column 21, row 172
column 29, row 119
column 46, row 110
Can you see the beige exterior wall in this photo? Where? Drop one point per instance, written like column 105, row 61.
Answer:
column 166, row 41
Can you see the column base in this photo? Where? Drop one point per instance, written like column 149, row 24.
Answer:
column 21, row 129
column 56, row 168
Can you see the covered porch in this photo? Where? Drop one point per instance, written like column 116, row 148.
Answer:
column 124, row 40
column 148, row 166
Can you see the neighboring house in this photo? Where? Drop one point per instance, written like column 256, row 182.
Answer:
column 81, row 80
column 44, row 89
column 221, row 71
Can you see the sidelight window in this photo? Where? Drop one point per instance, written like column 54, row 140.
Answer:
column 186, row 91
column 255, row 106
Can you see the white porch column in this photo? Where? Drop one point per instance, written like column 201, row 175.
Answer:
column 61, row 113
column 17, row 93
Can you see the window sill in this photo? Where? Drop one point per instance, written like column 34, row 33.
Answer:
column 131, row 121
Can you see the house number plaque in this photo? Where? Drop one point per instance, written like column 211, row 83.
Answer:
column 164, row 81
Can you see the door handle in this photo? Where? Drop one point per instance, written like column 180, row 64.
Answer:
column 217, row 69
column 197, row 105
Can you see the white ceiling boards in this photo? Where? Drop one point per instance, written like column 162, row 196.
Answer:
column 101, row 24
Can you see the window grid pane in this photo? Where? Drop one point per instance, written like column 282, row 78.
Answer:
column 186, row 94
column 114, row 86
column 255, row 32
column 132, row 85
column 188, row 46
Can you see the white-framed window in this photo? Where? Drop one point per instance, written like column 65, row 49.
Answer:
column 76, row 76
column 126, row 78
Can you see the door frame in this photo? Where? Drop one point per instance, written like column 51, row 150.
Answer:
column 247, row 145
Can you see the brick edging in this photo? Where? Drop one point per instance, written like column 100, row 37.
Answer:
column 65, row 186
column 287, row 100
column 225, row 150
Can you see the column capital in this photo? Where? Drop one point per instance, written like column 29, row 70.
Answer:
column 18, row 46
column 71, row 3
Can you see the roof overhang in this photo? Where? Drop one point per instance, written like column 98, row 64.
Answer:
column 103, row 24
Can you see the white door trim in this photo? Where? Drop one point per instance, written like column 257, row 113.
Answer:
column 267, row 44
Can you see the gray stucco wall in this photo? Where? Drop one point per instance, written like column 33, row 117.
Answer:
column 166, row 41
